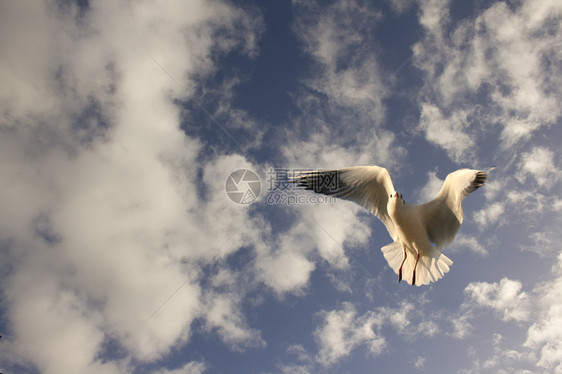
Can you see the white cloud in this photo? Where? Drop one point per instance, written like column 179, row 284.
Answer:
column 420, row 362
column 400, row 6
column 339, row 89
column 544, row 243
column 498, row 358
column 433, row 14
column 295, row 369
column 330, row 36
column 505, row 297
column 425, row 328
column 341, row 280
column 342, row 331
column 223, row 313
column 431, row 188
column 449, row 132
column 539, row 164
column 536, row 208
column 322, row 230
column 346, row 86
column 461, row 323
column 538, row 312
column 494, row 188
column 286, row 271
column 491, row 215
column 49, row 320
column 500, row 69
column 115, row 220
column 305, row 361
column 301, row 353
column 189, row 368
column 470, row 243
column 94, row 159
column 336, row 227
column 545, row 334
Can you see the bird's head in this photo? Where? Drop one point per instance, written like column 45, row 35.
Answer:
column 395, row 197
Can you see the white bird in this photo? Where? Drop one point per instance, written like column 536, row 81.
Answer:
column 419, row 231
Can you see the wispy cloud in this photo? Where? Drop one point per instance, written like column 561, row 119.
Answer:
column 343, row 330
column 344, row 86
column 498, row 70
column 189, row 368
column 504, row 297
column 223, row 313
column 540, row 165
column 544, row 336
column 342, row 98
column 535, row 310
column 420, row 362
column 431, row 188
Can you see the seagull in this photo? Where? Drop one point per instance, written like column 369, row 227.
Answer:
column 419, row 231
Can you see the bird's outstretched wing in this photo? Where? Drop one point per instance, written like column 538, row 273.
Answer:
column 368, row 186
column 443, row 215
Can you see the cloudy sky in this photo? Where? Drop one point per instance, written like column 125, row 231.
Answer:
column 120, row 122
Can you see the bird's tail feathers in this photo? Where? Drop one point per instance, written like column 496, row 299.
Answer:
column 430, row 268
column 394, row 254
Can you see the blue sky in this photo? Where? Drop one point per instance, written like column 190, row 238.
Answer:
column 120, row 122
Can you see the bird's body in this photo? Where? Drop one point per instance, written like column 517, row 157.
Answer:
column 410, row 231
column 418, row 231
